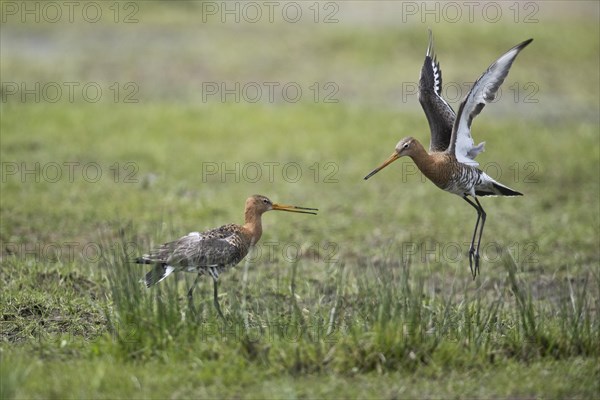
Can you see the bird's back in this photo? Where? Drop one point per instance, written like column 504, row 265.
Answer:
column 224, row 246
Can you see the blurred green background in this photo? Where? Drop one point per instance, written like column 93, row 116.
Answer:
column 153, row 119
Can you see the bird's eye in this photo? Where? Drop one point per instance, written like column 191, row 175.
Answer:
column 265, row 201
column 405, row 145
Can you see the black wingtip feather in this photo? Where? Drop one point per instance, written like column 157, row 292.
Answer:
column 505, row 191
column 149, row 279
column 523, row 44
column 430, row 46
column 155, row 275
column 499, row 190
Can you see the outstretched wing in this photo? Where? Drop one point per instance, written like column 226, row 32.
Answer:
column 483, row 91
column 439, row 113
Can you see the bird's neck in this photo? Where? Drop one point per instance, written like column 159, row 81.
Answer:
column 434, row 166
column 425, row 161
column 253, row 225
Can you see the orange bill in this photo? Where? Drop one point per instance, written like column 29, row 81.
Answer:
column 387, row 162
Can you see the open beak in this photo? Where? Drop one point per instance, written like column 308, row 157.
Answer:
column 387, row 162
column 296, row 209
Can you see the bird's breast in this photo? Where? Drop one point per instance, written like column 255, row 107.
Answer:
column 438, row 168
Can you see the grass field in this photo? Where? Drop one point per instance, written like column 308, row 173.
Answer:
column 157, row 120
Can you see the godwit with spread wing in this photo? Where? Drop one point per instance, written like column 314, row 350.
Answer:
column 450, row 163
column 215, row 250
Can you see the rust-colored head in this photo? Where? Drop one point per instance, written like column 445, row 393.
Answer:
column 405, row 147
column 260, row 204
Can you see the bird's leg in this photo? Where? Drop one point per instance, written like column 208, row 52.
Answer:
column 483, row 216
column 472, row 252
column 191, row 291
column 189, row 295
column 214, row 272
column 216, row 300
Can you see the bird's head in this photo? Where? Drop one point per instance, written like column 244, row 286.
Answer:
column 405, row 147
column 260, row 204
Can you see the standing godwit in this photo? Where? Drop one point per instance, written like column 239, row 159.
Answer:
column 450, row 163
column 215, row 250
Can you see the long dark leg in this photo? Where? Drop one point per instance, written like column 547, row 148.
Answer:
column 472, row 252
column 483, row 216
column 191, row 291
column 214, row 272
column 216, row 299
column 189, row 295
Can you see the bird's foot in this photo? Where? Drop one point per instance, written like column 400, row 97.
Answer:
column 472, row 255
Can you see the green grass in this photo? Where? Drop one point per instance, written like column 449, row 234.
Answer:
column 375, row 298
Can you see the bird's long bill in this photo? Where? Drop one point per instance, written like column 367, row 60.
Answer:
column 387, row 162
column 296, row 209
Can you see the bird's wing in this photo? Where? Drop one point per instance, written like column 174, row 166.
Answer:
column 483, row 91
column 162, row 253
column 209, row 252
column 220, row 246
column 439, row 113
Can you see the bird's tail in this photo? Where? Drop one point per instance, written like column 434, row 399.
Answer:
column 157, row 274
column 497, row 189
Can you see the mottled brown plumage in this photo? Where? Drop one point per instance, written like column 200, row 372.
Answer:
column 450, row 163
column 213, row 251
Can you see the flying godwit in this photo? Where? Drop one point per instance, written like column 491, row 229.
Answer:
column 215, row 250
column 450, row 163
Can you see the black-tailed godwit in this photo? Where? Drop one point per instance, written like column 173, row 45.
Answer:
column 450, row 163
column 213, row 251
